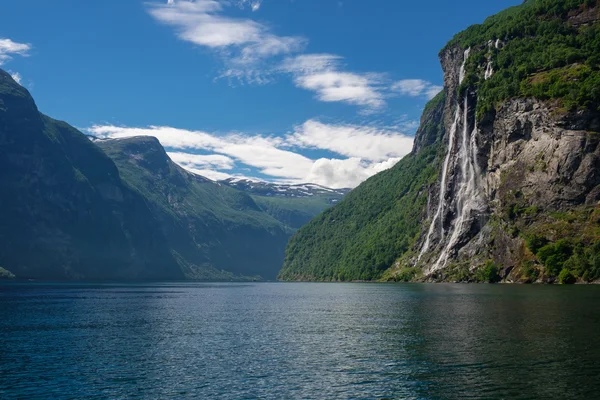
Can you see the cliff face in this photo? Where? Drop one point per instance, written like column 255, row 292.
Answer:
column 526, row 170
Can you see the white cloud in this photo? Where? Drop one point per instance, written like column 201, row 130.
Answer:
column 367, row 143
column 249, row 51
column 256, row 151
column 365, row 151
column 16, row 76
column 190, row 160
column 322, row 74
column 242, row 43
column 209, row 173
column 8, row 49
column 253, row 4
column 345, row 173
column 416, row 88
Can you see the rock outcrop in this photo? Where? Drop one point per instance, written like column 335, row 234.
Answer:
column 532, row 160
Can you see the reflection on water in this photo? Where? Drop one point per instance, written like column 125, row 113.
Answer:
column 274, row 341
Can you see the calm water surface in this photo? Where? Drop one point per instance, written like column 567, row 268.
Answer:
column 299, row 341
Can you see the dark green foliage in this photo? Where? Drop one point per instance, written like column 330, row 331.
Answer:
column 545, row 55
column 535, row 242
column 566, row 277
column 488, row 273
column 570, row 259
column 554, row 255
column 375, row 224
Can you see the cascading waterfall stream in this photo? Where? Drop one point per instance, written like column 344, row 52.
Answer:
column 489, row 70
column 467, row 198
column 442, row 195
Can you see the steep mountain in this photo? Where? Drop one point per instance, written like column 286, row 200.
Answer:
column 504, row 178
column 70, row 212
column 64, row 211
column 293, row 205
column 210, row 227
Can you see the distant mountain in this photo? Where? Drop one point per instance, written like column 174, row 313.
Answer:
column 293, row 205
column 65, row 213
column 71, row 209
column 210, row 227
column 268, row 189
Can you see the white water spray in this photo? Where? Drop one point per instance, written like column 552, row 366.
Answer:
column 467, row 182
column 489, row 71
column 468, row 196
column 443, row 184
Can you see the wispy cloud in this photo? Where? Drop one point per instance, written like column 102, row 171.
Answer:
column 257, row 151
column 363, row 142
column 8, row 49
column 210, row 166
column 216, row 161
column 363, row 151
column 323, row 74
column 16, row 76
column 242, row 43
column 416, row 88
column 253, row 4
column 252, row 53
column 351, row 171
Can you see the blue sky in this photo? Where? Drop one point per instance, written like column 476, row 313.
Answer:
column 324, row 91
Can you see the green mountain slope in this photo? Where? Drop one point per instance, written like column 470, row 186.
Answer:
column 293, row 212
column 211, row 227
column 64, row 211
column 70, row 210
column 548, row 49
column 378, row 221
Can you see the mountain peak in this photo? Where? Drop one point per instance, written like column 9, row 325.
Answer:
column 145, row 151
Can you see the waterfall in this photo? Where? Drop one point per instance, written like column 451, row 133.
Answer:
column 461, row 75
column 443, row 184
column 489, row 71
column 467, row 179
column 467, row 198
column 440, row 209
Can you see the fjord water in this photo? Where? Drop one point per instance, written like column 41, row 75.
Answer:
column 276, row 341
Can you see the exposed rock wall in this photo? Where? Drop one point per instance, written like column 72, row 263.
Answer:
column 532, row 159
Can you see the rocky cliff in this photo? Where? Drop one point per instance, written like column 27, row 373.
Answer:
column 516, row 186
column 523, row 170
